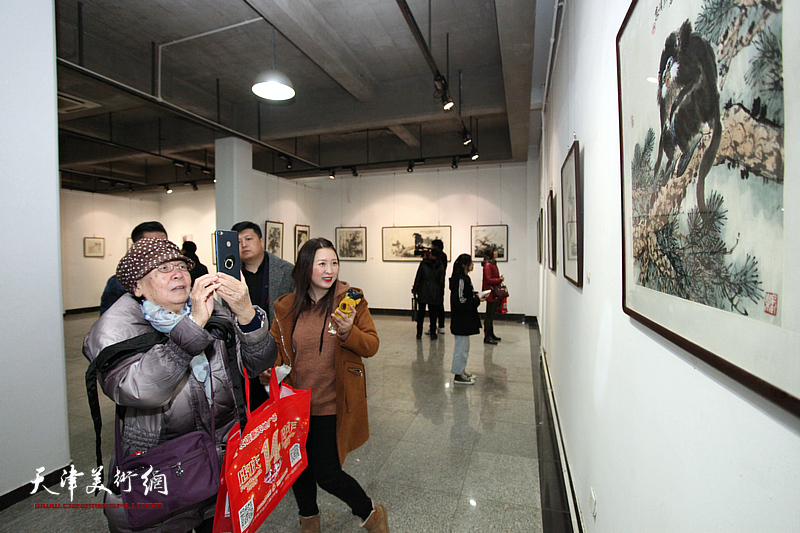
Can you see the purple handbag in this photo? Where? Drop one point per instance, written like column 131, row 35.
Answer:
column 176, row 474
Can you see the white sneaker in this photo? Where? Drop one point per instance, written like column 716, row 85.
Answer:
column 441, row 331
column 463, row 379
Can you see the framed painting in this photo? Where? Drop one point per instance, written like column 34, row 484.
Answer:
column 702, row 156
column 409, row 243
column 273, row 238
column 94, row 247
column 551, row 231
column 485, row 236
column 301, row 236
column 351, row 243
column 572, row 216
column 539, row 236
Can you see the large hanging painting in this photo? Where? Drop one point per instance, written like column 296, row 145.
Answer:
column 411, row 243
column 701, row 132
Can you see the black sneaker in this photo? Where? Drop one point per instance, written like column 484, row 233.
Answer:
column 489, row 341
column 434, row 336
column 498, row 339
column 463, row 379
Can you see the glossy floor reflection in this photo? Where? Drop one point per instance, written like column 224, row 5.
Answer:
column 441, row 457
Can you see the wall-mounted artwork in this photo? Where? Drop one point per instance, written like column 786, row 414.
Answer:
column 572, row 216
column 539, row 237
column 485, row 236
column 551, row 231
column 408, row 243
column 94, row 247
column 273, row 238
column 301, row 236
column 351, row 243
column 702, row 125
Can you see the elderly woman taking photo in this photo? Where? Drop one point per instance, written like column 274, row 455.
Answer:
column 324, row 348
column 171, row 387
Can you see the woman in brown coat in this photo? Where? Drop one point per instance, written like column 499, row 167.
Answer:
column 324, row 349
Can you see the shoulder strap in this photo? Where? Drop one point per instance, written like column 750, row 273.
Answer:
column 222, row 329
column 108, row 358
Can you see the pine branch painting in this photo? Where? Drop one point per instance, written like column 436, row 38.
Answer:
column 707, row 178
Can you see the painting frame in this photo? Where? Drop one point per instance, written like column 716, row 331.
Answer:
column 572, row 216
column 273, row 238
column 483, row 235
column 398, row 243
column 94, row 247
column 351, row 243
column 749, row 340
column 552, row 231
column 539, row 223
column 302, row 233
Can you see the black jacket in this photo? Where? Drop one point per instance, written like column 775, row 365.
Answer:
column 429, row 283
column 464, row 319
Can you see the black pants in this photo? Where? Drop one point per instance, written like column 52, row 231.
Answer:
column 440, row 315
column 421, row 316
column 488, row 323
column 324, row 470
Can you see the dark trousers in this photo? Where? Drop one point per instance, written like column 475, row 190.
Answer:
column 324, row 470
column 488, row 322
column 440, row 315
column 421, row 316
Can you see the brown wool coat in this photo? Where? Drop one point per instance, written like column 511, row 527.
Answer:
column 352, row 419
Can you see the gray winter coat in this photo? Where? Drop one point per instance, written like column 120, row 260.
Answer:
column 162, row 397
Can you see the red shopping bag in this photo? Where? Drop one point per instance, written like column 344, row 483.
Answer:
column 263, row 461
column 502, row 309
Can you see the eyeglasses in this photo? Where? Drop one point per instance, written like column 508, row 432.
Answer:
column 166, row 268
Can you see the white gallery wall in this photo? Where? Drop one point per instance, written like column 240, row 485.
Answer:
column 33, row 397
column 665, row 442
column 458, row 198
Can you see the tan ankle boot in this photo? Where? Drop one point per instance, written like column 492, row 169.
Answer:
column 377, row 521
column 310, row 524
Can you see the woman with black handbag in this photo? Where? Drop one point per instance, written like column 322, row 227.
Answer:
column 172, row 380
column 491, row 281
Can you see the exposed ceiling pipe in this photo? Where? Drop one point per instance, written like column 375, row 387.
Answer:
column 197, row 119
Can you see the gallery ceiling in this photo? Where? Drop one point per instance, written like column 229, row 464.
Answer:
column 145, row 88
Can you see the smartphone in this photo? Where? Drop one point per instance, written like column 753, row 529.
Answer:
column 226, row 246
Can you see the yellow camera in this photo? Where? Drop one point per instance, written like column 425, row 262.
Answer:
column 352, row 297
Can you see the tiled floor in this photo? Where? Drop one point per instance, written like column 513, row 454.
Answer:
column 441, row 458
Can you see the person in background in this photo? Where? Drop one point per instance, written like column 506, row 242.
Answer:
column 491, row 277
column 324, row 349
column 427, row 289
column 464, row 318
column 165, row 386
column 189, row 249
column 114, row 289
column 267, row 277
column 437, row 249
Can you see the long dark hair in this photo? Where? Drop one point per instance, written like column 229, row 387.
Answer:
column 302, row 277
column 463, row 260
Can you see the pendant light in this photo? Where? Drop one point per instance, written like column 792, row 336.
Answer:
column 273, row 84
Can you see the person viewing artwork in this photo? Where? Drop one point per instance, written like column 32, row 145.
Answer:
column 464, row 319
column 491, row 278
column 324, row 348
column 267, row 277
column 428, row 289
column 167, row 388
column 189, row 249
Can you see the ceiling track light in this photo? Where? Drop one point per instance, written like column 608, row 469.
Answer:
column 194, row 186
column 355, row 172
column 206, row 171
column 410, row 166
column 168, row 189
column 273, row 84
column 332, row 174
column 474, row 153
column 466, row 138
column 454, row 164
column 447, row 102
column 286, row 159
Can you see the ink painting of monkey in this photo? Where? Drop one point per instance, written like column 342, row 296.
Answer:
column 688, row 101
